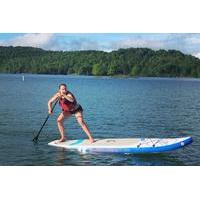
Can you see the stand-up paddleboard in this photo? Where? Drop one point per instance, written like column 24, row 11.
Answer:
column 125, row 145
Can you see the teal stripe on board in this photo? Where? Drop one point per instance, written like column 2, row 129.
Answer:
column 77, row 142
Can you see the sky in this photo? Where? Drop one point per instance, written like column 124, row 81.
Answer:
column 188, row 43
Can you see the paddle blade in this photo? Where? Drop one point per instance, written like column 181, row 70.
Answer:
column 35, row 139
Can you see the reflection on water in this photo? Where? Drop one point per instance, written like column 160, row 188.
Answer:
column 61, row 157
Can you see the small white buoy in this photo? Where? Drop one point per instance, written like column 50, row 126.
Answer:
column 22, row 78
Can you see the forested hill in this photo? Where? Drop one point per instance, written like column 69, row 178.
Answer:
column 132, row 61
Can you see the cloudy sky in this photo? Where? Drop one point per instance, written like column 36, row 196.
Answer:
column 188, row 43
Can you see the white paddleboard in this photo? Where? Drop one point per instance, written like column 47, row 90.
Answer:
column 125, row 145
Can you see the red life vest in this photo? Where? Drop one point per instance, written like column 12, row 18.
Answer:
column 67, row 105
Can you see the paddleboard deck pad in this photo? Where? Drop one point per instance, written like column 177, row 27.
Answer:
column 124, row 145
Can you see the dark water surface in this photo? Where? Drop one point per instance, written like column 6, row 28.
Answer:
column 113, row 107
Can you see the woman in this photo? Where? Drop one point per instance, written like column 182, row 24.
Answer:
column 69, row 107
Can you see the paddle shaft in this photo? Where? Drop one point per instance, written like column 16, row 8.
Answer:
column 35, row 139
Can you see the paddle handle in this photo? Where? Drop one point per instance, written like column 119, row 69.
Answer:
column 35, row 139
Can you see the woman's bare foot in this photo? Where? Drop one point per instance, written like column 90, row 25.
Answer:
column 91, row 140
column 61, row 140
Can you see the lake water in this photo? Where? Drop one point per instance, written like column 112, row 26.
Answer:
column 113, row 107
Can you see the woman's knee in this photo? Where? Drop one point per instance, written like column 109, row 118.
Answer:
column 59, row 120
column 81, row 121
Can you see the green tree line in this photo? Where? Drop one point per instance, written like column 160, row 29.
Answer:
column 130, row 62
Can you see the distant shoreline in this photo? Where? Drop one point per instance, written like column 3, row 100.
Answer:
column 106, row 76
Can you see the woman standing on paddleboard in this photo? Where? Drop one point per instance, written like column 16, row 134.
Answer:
column 69, row 107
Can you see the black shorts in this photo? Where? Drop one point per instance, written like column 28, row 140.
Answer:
column 77, row 109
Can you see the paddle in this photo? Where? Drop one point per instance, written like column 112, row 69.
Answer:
column 35, row 139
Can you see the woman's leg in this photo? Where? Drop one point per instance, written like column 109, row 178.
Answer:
column 61, row 128
column 80, row 120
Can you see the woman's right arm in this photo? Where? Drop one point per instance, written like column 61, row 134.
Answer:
column 51, row 100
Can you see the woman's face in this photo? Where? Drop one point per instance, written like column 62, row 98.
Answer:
column 63, row 89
